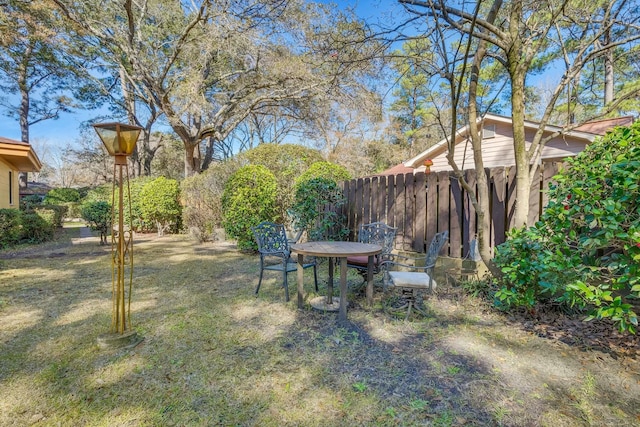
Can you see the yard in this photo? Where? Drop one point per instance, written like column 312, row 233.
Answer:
column 214, row 354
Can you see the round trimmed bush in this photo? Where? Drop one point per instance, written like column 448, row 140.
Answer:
column 159, row 203
column 98, row 216
column 249, row 197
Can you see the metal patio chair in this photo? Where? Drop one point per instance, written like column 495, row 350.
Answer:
column 377, row 233
column 275, row 254
column 413, row 278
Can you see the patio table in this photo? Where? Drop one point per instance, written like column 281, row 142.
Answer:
column 339, row 250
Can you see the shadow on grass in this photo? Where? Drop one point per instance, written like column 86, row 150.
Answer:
column 215, row 354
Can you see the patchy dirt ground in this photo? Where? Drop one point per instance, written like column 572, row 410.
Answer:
column 214, row 354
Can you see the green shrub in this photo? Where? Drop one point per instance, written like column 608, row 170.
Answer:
column 53, row 214
column 202, row 199
column 327, row 170
column 316, row 208
column 159, row 203
column 138, row 221
column 249, row 198
column 101, row 193
column 28, row 202
column 585, row 250
column 98, row 217
column 37, row 226
column 104, row 193
column 286, row 162
column 10, row 227
column 58, row 196
column 73, row 209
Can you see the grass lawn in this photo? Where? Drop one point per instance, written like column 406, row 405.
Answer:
column 214, row 354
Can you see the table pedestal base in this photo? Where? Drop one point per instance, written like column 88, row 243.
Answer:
column 320, row 303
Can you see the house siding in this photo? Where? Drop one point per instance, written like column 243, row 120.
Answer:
column 498, row 150
column 5, row 203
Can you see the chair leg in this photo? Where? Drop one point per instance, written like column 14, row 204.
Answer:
column 315, row 277
column 413, row 304
column 286, row 284
column 260, row 280
column 409, row 305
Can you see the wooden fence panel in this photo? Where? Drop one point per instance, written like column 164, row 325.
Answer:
column 409, row 212
column 349, row 209
column 399, row 210
column 421, row 213
column 359, row 202
column 455, row 219
column 391, row 198
column 381, row 199
column 366, row 201
column 443, row 203
column 432, row 206
column 421, row 205
column 374, row 213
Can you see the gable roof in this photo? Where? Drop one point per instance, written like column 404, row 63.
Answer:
column 20, row 155
column 601, row 127
column 586, row 133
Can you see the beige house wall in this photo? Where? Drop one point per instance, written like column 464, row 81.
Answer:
column 498, row 150
column 8, row 189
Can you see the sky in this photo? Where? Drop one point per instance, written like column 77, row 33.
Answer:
column 58, row 134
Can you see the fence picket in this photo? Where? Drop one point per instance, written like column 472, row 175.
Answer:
column 420, row 205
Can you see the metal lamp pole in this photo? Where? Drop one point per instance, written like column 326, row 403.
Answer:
column 120, row 141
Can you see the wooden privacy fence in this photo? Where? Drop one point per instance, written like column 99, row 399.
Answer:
column 421, row 205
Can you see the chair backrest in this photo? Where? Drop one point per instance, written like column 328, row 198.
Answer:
column 271, row 238
column 378, row 233
column 435, row 247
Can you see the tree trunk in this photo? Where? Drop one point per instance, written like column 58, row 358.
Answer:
column 23, row 177
column 191, row 159
column 608, row 70
column 522, row 158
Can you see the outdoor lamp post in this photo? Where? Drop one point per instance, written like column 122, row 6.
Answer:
column 120, row 141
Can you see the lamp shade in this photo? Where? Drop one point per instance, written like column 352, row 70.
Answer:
column 118, row 138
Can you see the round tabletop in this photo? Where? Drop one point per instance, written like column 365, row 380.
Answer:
column 336, row 249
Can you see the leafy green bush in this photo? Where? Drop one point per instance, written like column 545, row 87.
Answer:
column 98, row 217
column 104, row 193
column 328, row 170
column 159, row 203
column 10, row 227
column 585, row 250
column 286, row 162
column 316, row 207
column 34, row 226
column 101, row 193
column 28, row 202
column 58, row 196
column 250, row 197
column 53, row 214
column 37, row 226
column 202, row 198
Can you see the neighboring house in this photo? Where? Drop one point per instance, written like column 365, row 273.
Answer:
column 15, row 157
column 497, row 144
column 34, row 188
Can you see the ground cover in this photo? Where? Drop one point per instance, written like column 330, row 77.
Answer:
column 214, row 354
